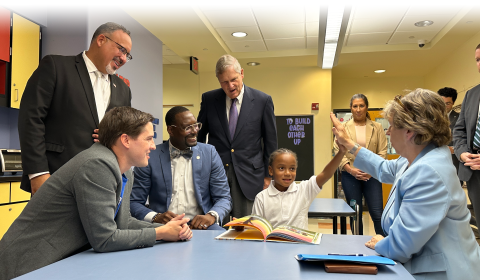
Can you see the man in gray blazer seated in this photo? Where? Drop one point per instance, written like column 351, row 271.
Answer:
column 87, row 202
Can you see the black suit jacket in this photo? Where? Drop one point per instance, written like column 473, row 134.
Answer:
column 464, row 129
column 58, row 113
column 254, row 140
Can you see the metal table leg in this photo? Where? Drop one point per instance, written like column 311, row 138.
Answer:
column 335, row 224
column 343, row 225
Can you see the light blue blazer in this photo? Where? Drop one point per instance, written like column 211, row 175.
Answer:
column 155, row 182
column 426, row 220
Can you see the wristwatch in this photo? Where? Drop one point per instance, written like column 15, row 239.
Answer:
column 355, row 148
column 215, row 215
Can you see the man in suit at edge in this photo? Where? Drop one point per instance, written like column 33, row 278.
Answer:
column 467, row 143
column 182, row 176
column 65, row 99
column 87, row 202
column 449, row 96
column 244, row 134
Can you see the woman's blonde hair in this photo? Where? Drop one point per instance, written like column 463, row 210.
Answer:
column 423, row 112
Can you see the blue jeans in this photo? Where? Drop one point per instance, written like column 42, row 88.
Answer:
column 372, row 191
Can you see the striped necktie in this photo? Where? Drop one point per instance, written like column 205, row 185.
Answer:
column 233, row 118
column 476, row 137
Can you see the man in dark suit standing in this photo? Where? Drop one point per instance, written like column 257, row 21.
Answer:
column 449, row 96
column 66, row 98
column 467, row 142
column 240, row 123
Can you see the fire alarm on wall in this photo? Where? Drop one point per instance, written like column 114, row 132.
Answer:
column 315, row 106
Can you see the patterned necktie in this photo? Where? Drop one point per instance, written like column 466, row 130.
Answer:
column 476, row 137
column 175, row 153
column 232, row 123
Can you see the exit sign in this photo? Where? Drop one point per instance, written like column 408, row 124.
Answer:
column 194, row 64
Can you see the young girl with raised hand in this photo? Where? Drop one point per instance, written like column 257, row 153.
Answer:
column 285, row 202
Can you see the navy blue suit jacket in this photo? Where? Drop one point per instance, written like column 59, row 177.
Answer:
column 155, row 182
column 254, row 140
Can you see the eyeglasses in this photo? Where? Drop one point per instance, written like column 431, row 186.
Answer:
column 122, row 49
column 192, row 127
column 399, row 102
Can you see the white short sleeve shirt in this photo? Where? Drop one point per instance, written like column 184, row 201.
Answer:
column 289, row 207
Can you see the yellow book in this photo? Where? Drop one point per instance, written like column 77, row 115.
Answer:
column 259, row 229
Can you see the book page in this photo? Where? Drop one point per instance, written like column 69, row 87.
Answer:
column 248, row 234
column 253, row 221
column 295, row 234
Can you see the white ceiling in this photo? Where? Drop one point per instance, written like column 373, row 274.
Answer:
column 288, row 33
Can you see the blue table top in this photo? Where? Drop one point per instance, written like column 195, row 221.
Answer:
column 203, row 257
column 328, row 207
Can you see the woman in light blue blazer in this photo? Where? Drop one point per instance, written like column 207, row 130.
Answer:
column 425, row 221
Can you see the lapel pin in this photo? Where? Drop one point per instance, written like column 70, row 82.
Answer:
column 114, row 85
column 198, row 157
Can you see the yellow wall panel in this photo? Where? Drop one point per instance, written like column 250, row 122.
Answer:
column 5, row 192
column 25, row 55
column 19, row 194
column 8, row 214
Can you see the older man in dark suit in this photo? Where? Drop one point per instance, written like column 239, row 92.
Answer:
column 466, row 139
column 66, row 98
column 449, row 96
column 240, row 123
column 87, row 202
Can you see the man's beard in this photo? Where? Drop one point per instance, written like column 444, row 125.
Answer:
column 110, row 70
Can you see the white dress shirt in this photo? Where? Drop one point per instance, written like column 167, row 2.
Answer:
column 228, row 102
column 289, row 207
column 183, row 190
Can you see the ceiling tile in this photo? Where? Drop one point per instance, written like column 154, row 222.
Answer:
column 279, row 14
column 283, row 31
column 231, row 18
column 165, row 61
column 312, row 42
column 421, row 10
column 312, row 13
column 373, row 11
column 252, row 31
column 312, row 28
column 285, row 44
column 174, row 59
column 404, row 37
column 439, row 21
column 375, row 24
column 368, row 39
column 246, row 46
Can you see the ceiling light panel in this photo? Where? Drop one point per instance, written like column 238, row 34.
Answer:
column 252, row 31
column 408, row 23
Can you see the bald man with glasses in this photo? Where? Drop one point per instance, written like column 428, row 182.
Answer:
column 66, row 98
column 182, row 176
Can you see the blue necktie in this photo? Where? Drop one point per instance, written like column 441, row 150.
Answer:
column 232, row 123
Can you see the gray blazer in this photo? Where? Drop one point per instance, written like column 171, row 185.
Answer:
column 75, row 207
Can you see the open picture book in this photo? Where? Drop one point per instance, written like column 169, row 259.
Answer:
column 259, row 229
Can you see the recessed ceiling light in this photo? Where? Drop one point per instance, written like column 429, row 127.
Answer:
column 379, row 71
column 423, row 23
column 253, row 63
column 239, row 34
